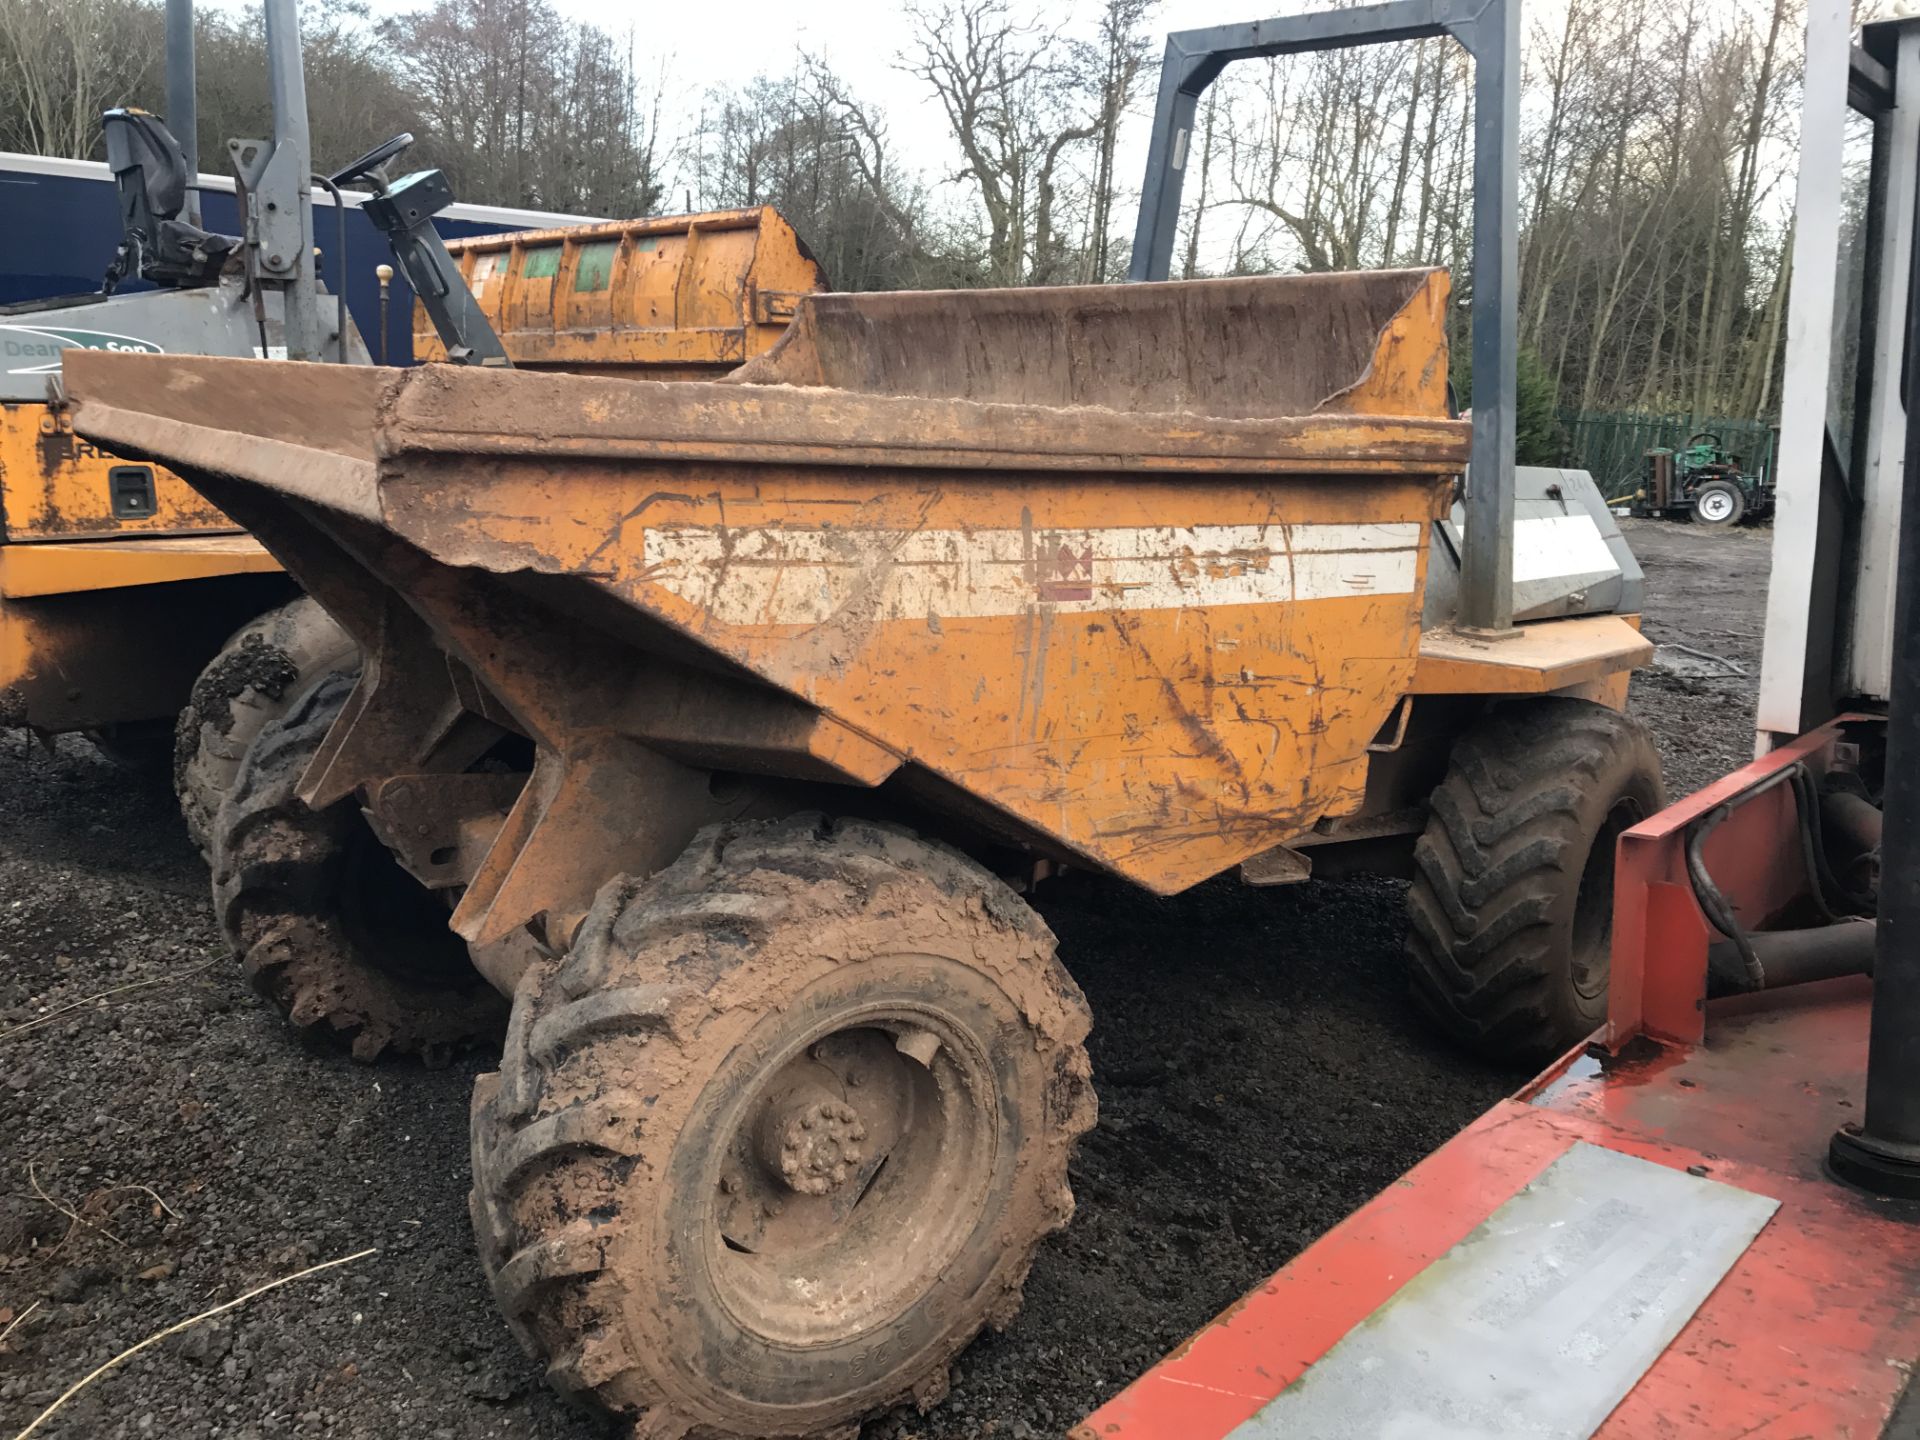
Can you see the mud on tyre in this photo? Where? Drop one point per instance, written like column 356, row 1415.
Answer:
column 251, row 682
column 326, row 923
column 781, row 1133
column 1512, row 900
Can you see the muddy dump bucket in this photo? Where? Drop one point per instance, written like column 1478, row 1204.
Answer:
column 1128, row 574
column 674, row 297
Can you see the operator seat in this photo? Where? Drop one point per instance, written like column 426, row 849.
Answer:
column 150, row 173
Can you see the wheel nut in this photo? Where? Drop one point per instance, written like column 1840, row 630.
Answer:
column 814, row 1147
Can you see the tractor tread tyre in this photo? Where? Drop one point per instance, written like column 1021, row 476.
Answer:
column 1495, row 914
column 606, row 1089
column 256, row 675
column 1736, row 505
column 277, row 890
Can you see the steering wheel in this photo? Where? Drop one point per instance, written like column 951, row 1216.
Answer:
column 364, row 167
column 1708, row 436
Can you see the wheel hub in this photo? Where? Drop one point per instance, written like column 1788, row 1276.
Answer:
column 855, row 1171
column 815, row 1146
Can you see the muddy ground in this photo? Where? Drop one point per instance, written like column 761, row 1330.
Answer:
column 1259, row 1069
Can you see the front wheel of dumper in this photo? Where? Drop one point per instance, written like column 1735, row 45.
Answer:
column 781, row 1133
column 1511, row 908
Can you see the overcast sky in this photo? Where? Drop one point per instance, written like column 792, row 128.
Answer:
column 695, row 47
column 699, row 46
column 862, row 41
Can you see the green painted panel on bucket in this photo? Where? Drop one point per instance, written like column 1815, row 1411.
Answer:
column 593, row 270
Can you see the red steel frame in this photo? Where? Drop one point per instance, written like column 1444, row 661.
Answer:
column 1660, row 936
column 1812, row 1332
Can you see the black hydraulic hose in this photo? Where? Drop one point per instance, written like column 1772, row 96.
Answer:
column 340, row 295
column 1813, row 851
column 1708, row 894
column 1820, row 877
column 1799, row 957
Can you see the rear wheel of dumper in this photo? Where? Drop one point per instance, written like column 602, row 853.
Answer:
column 250, row 683
column 781, row 1133
column 326, row 923
column 1511, row 906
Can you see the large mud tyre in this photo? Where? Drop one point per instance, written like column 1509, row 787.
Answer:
column 1512, row 900
column 716, row 1072
column 325, row 922
column 249, row 684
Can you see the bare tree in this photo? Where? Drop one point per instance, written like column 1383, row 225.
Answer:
column 1325, row 153
column 1015, row 112
column 1116, row 60
column 524, row 107
column 803, row 143
column 64, row 61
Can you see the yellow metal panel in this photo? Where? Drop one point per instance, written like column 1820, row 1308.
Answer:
column 1165, row 677
column 1409, row 371
column 97, row 657
column 1104, row 561
column 673, row 297
column 1545, row 656
column 53, row 485
column 67, row 568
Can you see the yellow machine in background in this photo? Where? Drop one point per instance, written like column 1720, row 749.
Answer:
column 678, row 297
column 119, row 584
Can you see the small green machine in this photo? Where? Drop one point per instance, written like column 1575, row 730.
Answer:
column 1704, row 480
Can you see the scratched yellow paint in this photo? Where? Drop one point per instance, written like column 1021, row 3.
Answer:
column 1125, row 694
column 1409, row 371
column 54, row 486
column 1162, row 648
column 1165, row 744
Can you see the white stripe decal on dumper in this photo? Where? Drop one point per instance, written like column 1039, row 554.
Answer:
column 776, row 576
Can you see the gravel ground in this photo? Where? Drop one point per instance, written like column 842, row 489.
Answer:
column 170, row 1147
column 1706, row 589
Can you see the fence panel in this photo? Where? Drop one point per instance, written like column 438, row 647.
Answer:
column 1612, row 445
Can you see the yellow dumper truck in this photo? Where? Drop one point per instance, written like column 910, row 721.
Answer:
column 728, row 718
